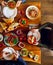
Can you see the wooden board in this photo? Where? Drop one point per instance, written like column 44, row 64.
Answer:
column 33, row 48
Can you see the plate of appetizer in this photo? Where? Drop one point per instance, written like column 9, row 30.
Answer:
column 33, row 37
column 11, row 39
column 32, row 12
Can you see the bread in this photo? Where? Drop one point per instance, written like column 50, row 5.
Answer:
column 8, row 21
column 3, row 25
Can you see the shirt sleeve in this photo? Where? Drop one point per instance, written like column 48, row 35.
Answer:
column 20, row 61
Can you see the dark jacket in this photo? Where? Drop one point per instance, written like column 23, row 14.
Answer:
column 19, row 61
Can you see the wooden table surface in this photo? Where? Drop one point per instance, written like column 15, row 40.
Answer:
column 33, row 48
column 47, row 16
column 25, row 5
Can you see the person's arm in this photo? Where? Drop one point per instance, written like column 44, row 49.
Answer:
column 3, row 3
column 21, row 61
column 19, row 2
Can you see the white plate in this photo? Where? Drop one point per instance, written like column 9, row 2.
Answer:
column 32, row 7
column 35, row 33
column 8, row 50
column 9, row 13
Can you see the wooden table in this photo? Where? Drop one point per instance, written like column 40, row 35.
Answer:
column 33, row 48
column 25, row 5
column 47, row 11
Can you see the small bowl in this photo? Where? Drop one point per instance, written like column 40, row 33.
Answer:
column 34, row 14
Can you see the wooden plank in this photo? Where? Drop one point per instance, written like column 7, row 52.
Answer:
column 47, row 11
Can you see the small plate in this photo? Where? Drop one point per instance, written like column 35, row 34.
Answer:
column 9, row 13
column 34, row 33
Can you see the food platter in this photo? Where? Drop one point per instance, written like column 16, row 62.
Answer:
column 11, row 39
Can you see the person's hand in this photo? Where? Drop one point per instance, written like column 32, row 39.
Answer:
column 3, row 3
column 18, row 3
column 16, row 54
